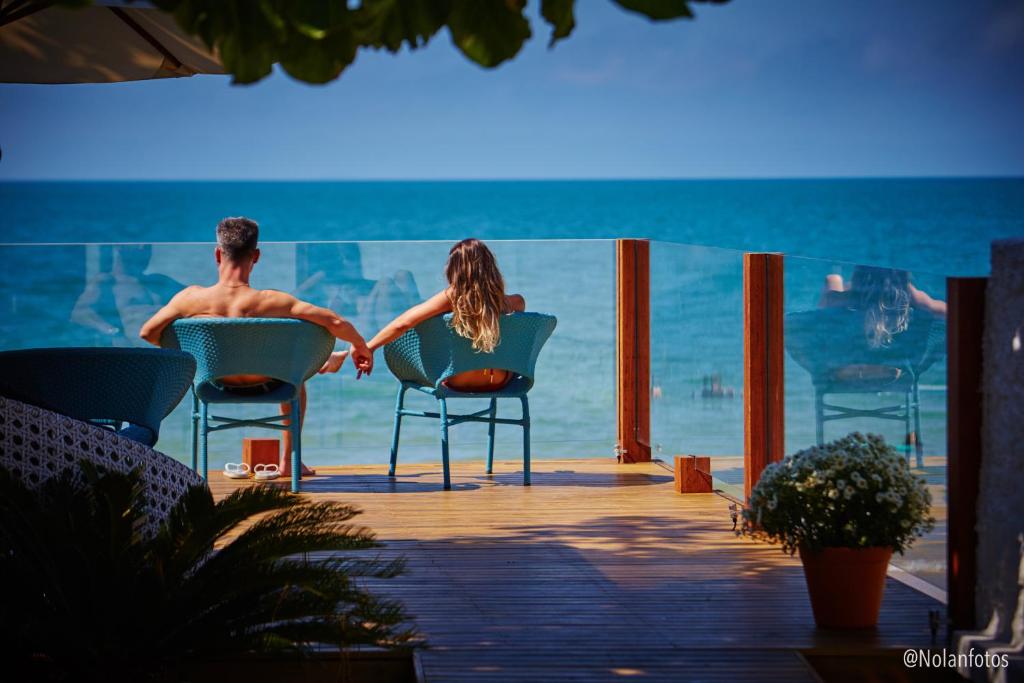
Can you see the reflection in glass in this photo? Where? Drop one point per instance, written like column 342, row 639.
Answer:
column 122, row 296
column 332, row 276
column 99, row 295
column 866, row 352
column 875, row 335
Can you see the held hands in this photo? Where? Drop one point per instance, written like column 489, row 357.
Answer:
column 362, row 356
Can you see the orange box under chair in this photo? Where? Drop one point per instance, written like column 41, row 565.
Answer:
column 693, row 474
column 261, row 452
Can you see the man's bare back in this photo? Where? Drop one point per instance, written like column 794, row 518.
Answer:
column 239, row 300
column 232, row 297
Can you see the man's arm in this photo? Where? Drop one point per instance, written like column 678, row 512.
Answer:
column 284, row 305
column 153, row 328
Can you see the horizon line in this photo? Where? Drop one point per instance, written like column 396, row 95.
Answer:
column 456, row 179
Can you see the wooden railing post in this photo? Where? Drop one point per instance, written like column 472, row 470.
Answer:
column 633, row 349
column 965, row 331
column 763, row 365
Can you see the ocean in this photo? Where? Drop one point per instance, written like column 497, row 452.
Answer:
column 369, row 249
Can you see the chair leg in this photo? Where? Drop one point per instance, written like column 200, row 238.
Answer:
column 195, row 431
column 296, row 430
column 204, row 424
column 444, row 444
column 399, row 404
column 908, row 439
column 526, row 441
column 819, row 417
column 918, row 441
column 490, row 436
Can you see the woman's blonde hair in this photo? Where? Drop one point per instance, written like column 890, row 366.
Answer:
column 477, row 293
column 884, row 296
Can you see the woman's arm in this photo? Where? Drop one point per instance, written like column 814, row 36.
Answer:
column 834, row 287
column 934, row 306
column 435, row 305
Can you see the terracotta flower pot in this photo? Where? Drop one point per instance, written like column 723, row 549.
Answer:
column 846, row 585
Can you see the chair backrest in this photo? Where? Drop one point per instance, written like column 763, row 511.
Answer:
column 137, row 386
column 284, row 349
column 826, row 339
column 432, row 351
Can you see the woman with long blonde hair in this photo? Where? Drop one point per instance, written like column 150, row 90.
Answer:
column 475, row 296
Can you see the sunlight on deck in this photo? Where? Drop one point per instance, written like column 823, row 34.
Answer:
column 597, row 571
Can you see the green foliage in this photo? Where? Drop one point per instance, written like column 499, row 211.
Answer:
column 856, row 492
column 316, row 40
column 93, row 595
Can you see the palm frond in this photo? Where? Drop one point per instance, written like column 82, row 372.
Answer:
column 259, row 571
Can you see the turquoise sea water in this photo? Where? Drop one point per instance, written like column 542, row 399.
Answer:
column 544, row 234
column 937, row 225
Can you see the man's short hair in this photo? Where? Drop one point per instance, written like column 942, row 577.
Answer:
column 237, row 237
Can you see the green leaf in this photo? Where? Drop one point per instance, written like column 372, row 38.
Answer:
column 659, row 10
column 488, row 31
column 319, row 42
column 390, row 24
column 316, row 40
column 558, row 13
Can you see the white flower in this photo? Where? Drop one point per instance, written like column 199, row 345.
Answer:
column 773, row 503
column 833, row 493
column 848, row 492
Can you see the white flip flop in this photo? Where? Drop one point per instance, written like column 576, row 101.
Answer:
column 236, row 470
column 266, row 472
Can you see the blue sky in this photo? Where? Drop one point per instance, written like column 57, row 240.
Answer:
column 753, row 88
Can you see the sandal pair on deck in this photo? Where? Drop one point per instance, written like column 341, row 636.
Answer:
column 262, row 472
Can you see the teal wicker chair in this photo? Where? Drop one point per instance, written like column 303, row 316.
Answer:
column 128, row 390
column 424, row 357
column 830, row 344
column 288, row 351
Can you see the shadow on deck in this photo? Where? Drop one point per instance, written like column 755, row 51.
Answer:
column 598, row 571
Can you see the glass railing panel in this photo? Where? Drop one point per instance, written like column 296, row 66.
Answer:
column 697, row 357
column 100, row 294
column 866, row 352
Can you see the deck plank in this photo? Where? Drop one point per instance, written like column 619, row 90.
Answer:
column 598, row 571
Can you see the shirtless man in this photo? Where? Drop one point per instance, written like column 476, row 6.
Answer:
column 232, row 297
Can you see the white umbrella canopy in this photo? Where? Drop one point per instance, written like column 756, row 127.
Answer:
column 105, row 43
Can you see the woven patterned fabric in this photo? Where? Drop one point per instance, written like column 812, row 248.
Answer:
column 433, row 351
column 281, row 348
column 137, row 386
column 37, row 444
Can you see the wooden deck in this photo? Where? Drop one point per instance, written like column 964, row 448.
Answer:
column 598, row 571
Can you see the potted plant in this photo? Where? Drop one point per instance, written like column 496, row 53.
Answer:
column 846, row 507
